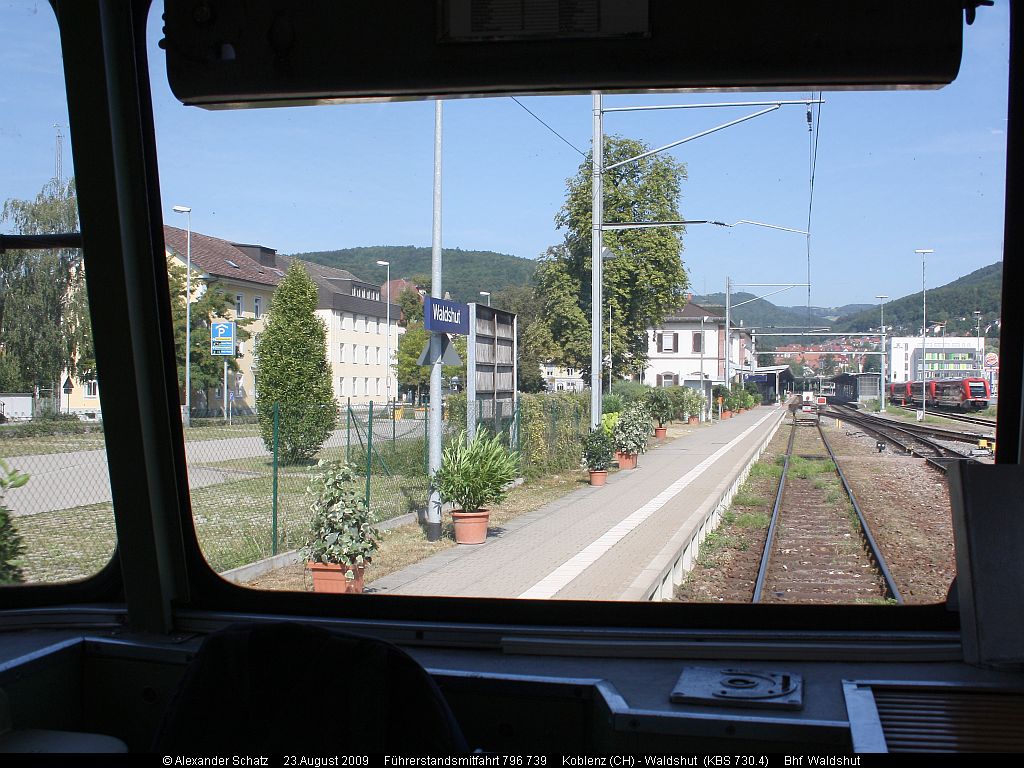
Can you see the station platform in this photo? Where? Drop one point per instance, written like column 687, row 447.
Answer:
column 632, row 539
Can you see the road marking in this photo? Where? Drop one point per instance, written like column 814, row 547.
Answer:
column 555, row 581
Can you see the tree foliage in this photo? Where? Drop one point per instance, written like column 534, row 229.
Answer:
column 466, row 273
column 643, row 281
column 293, row 371
column 44, row 308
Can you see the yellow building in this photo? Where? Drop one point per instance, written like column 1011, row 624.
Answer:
column 359, row 337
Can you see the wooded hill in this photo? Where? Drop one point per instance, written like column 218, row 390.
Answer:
column 466, row 273
column 953, row 303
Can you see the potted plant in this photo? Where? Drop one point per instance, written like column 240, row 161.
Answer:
column 659, row 403
column 597, row 453
column 694, row 405
column 630, row 434
column 341, row 536
column 474, row 473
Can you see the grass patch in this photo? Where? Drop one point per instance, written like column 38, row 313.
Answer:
column 806, row 469
column 744, row 498
column 753, row 520
column 764, row 469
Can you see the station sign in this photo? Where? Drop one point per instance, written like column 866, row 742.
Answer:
column 444, row 316
column 222, row 338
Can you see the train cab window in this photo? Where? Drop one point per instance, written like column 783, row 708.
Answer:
column 769, row 219
column 837, row 195
column 56, row 508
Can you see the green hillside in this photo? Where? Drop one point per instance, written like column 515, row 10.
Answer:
column 466, row 273
column 763, row 314
column 954, row 302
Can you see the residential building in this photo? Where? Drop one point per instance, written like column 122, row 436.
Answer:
column 946, row 357
column 356, row 319
column 689, row 347
column 559, row 379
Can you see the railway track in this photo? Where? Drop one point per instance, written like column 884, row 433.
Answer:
column 913, row 439
column 819, row 548
column 990, row 423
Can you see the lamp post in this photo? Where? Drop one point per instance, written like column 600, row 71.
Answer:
column 881, row 372
column 981, row 347
column 924, row 328
column 707, row 397
column 387, row 342
column 488, row 295
column 188, row 312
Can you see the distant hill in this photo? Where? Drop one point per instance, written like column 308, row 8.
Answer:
column 954, row 302
column 466, row 273
column 763, row 314
column 831, row 313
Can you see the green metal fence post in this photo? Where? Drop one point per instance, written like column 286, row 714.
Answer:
column 393, row 404
column 369, row 453
column 277, row 414
column 426, row 451
column 348, row 431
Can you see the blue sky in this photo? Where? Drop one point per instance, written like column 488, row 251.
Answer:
column 895, row 170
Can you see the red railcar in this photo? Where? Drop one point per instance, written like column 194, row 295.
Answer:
column 899, row 393
column 963, row 394
column 968, row 394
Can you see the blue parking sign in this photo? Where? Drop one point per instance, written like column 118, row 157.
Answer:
column 222, row 338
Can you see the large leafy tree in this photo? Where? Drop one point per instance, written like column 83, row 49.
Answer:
column 416, row 377
column 643, row 281
column 210, row 304
column 44, row 309
column 291, row 353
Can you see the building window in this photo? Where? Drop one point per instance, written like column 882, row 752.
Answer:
column 92, row 389
column 698, row 342
column 341, row 386
column 341, row 353
column 239, row 304
column 366, row 354
column 377, row 384
column 371, row 325
column 378, row 358
column 346, row 321
column 360, row 323
column 256, row 309
column 668, row 379
column 668, row 342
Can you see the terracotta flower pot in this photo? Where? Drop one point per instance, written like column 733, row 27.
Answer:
column 726, row 415
column 626, row 460
column 333, row 578
column 471, row 527
column 660, row 432
column 693, row 421
column 598, row 476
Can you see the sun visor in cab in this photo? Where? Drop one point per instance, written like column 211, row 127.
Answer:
column 244, row 53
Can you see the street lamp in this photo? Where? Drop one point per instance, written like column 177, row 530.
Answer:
column 881, row 372
column 188, row 312
column 488, row 295
column 387, row 357
column 924, row 328
column 981, row 347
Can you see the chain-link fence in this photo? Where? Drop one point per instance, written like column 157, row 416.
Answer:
column 248, row 478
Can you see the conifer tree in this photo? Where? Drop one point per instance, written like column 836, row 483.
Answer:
column 292, row 371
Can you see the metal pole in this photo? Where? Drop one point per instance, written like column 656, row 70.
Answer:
column 924, row 330
column 704, row 408
column 433, row 521
column 387, row 358
column 728, row 331
column 369, row 454
column 348, row 430
column 881, row 372
column 597, row 216
column 273, row 547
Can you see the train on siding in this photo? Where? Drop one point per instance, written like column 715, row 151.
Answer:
column 967, row 394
